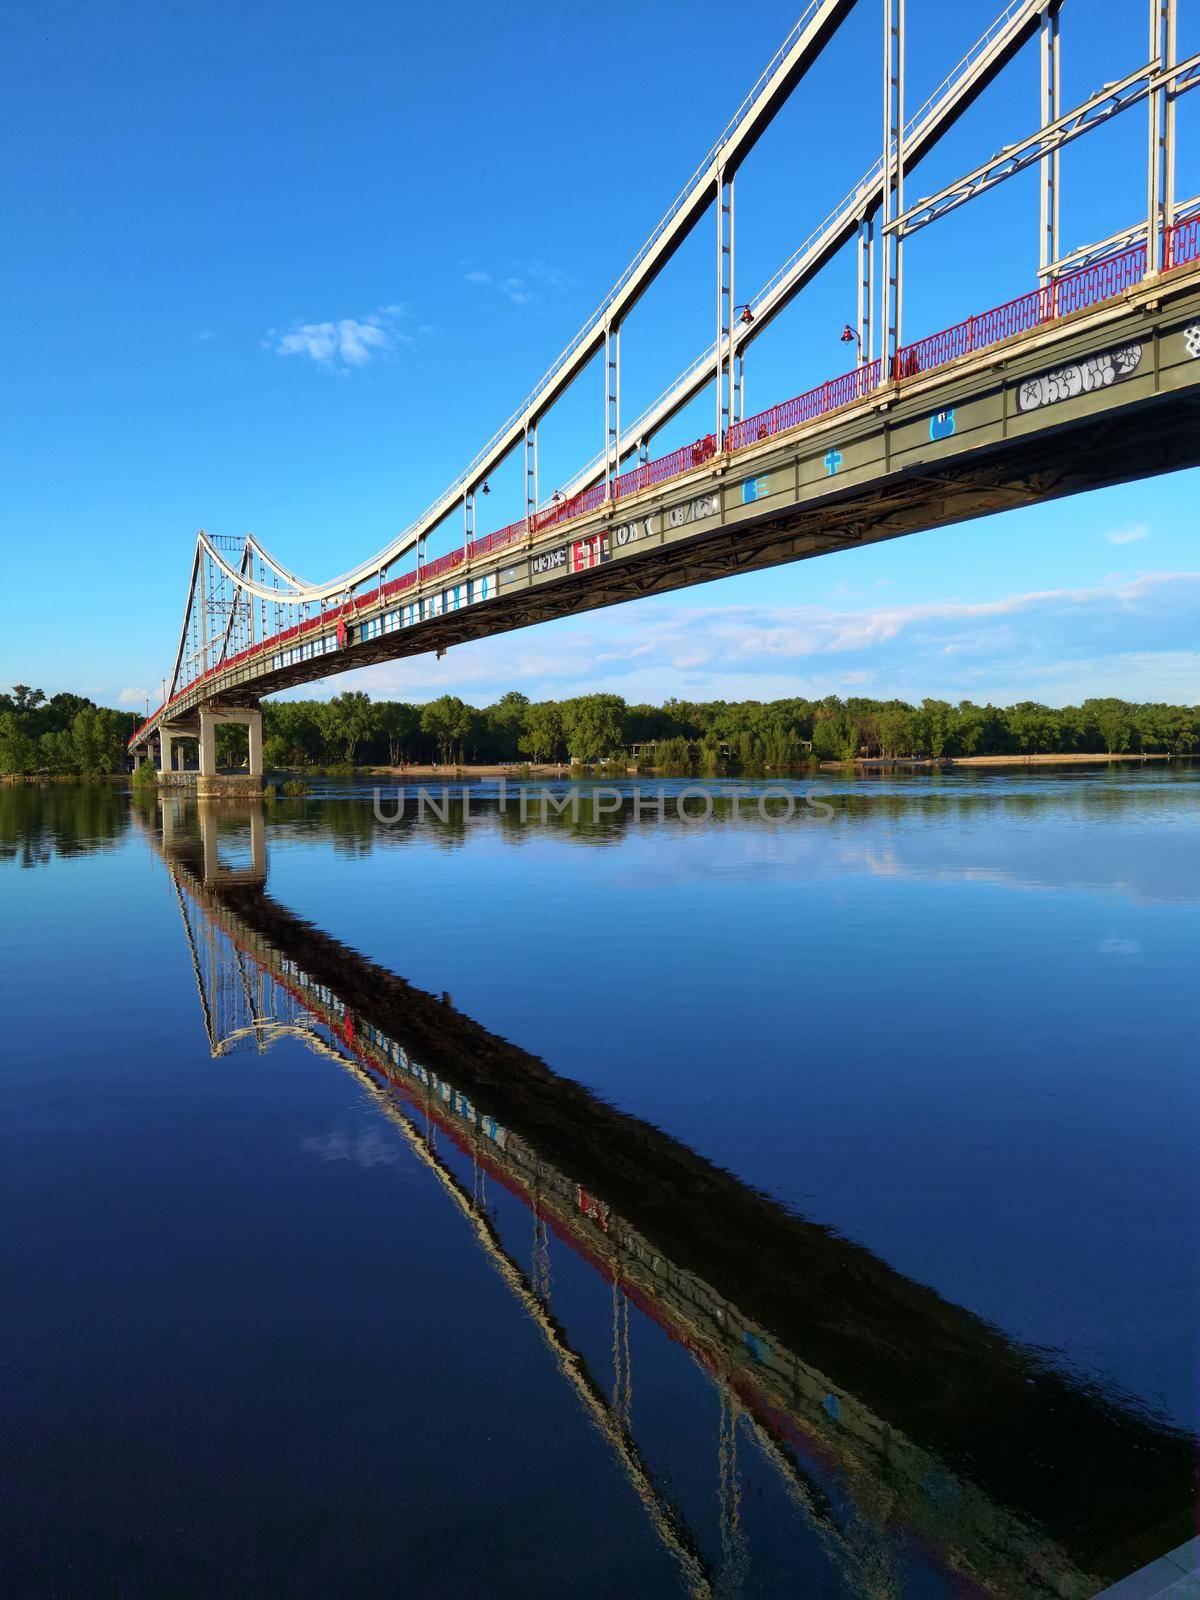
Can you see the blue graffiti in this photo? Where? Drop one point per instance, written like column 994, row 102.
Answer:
column 753, row 489
column 758, row 1348
column 941, row 424
column 833, row 461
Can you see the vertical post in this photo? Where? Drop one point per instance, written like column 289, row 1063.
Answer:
column 166, row 754
column 724, row 305
column 891, row 328
column 1049, row 109
column 255, row 740
column 421, row 540
column 739, row 387
column 612, row 407
column 1160, row 196
column 203, row 612
column 531, row 473
column 469, row 516
column 866, row 289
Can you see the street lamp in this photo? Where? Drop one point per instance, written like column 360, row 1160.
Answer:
column 848, row 333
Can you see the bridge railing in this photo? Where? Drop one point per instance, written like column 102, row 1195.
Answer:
column 1090, row 286
column 576, row 505
column 1182, row 244
column 807, row 407
column 498, row 540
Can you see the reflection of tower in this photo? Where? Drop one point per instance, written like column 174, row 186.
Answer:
column 241, row 1002
column 622, row 1370
column 729, row 1494
column 539, row 1266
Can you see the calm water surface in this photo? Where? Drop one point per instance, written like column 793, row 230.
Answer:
column 469, row 1207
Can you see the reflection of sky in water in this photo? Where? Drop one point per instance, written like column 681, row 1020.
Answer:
column 954, row 1023
column 950, row 1022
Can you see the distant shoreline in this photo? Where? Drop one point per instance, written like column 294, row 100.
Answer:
column 1075, row 758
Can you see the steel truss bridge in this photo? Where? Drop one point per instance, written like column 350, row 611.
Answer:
column 884, row 1410
column 1088, row 379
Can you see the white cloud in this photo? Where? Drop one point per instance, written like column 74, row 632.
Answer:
column 133, row 697
column 523, row 283
column 1128, row 535
column 348, row 343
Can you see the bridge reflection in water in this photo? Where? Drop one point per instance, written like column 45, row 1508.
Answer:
column 895, row 1420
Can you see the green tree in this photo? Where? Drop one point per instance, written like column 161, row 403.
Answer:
column 1114, row 721
column 594, row 725
column 347, row 720
column 27, row 699
column 501, row 726
column 96, row 740
column 542, row 735
column 18, row 752
column 448, row 721
column 399, row 723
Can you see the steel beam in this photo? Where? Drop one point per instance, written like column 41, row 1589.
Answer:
column 892, row 200
column 531, row 472
column 1161, row 163
column 1049, row 108
column 724, row 284
column 1092, row 113
column 612, row 406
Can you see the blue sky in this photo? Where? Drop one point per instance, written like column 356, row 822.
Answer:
column 278, row 268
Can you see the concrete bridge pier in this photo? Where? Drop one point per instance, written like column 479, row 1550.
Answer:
column 169, row 734
column 211, row 782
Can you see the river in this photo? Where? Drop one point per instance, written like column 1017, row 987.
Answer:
column 744, row 1195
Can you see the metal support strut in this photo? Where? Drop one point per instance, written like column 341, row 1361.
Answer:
column 891, row 330
column 531, row 473
column 612, row 407
column 1160, row 193
column 725, row 373
column 1049, row 111
column 866, row 289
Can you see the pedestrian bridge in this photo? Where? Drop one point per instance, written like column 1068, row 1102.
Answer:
column 1087, row 379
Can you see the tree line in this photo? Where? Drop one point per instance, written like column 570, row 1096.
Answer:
column 70, row 735
column 66, row 735
column 715, row 736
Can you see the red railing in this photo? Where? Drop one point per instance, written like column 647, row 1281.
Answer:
column 1182, row 243
column 443, row 564
column 1090, row 286
column 818, row 402
column 498, row 540
column 688, row 458
column 576, row 505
